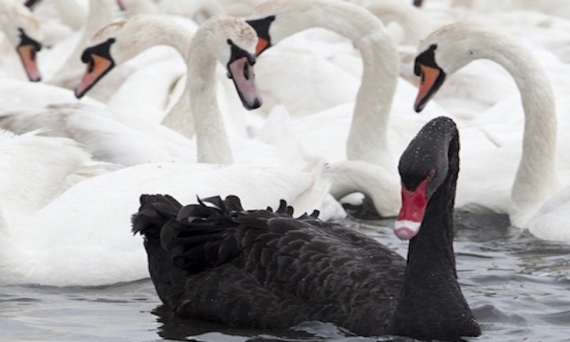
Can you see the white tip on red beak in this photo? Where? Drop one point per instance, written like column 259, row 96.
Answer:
column 405, row 229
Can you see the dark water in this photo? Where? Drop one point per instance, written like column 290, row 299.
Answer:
column 517, row 286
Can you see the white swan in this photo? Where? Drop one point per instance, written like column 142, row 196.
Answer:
column 83, row 236
column 112, row 141
column 131, row 37
column 452, row 47
column 365, row 153
column 23, row 32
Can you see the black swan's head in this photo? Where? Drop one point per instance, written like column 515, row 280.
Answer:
column 423, row 167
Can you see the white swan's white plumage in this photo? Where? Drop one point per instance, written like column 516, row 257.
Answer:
column 34, row 170
column 197, row 10
column 535, row 179
column 102, row 135
column 82, row 237
column 23, row 94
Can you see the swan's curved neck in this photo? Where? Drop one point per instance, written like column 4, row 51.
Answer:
column 70, row 13
column 375, row 181
column 164, row 32
column 535, row 179
column 179, row 118
column 367, row 139
column 153, row 30
column 211, row 139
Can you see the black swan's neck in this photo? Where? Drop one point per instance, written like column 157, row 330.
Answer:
column 432, row 248
column 431, row 303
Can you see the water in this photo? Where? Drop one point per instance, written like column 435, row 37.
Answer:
column 517, row 286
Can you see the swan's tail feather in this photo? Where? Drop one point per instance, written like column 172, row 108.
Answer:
column 201, row 236
column 154, row 212
column 211, row 233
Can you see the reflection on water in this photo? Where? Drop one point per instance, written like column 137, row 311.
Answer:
column 518, row 287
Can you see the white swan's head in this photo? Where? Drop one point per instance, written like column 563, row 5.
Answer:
column 24, row 32
column 444, row 52
column 276, row 20
column 232, row 42
column 104, row 53
column 123, row 40
column 112, row 45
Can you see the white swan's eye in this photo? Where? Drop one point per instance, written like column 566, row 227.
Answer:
column 229, row 75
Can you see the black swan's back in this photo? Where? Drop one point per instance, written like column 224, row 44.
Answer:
column 266, row 269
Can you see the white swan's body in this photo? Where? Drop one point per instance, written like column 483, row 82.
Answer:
column 536, row 180
column 102, row 135
column 34, row 170
column 83, row 237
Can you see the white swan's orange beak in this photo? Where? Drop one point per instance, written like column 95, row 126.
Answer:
column 28, row 56
column 262, row 44
column 242, row 73
column 97, row 67
column 431, row 80
column 414, row 204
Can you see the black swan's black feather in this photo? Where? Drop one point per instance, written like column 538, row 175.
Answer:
column 216, row 261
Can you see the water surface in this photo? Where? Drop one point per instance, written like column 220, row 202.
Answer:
column 518, row 287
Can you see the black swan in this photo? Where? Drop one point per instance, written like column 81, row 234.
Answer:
column 217, row 262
